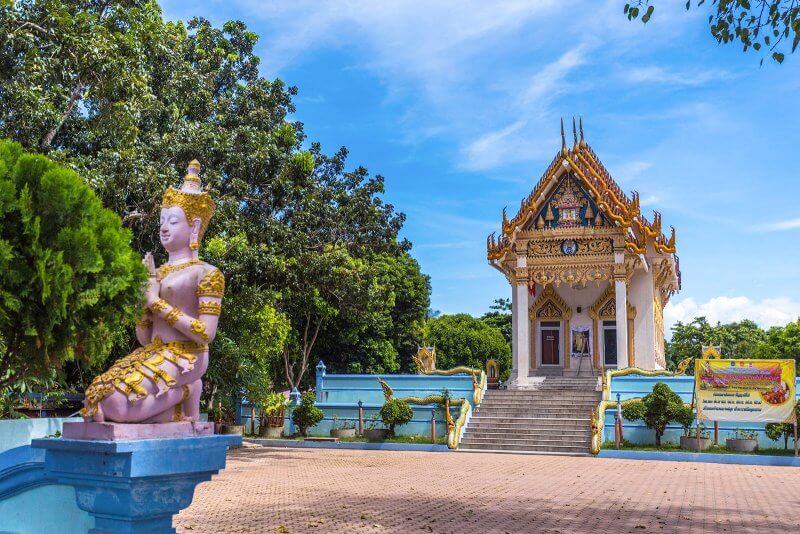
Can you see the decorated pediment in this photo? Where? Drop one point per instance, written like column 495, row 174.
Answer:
column 549, row 305
column 568, row 206
column 605, row 307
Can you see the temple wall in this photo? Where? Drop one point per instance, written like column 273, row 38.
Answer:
column 640, row 295
column 636, row 386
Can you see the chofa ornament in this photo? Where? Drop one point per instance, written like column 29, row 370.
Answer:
column 161, row 381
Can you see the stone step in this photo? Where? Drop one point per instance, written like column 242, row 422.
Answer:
column 571, row 450
column 499, row 434
column 491, row 412
column 525, row 441
column 540, row 394
column 536, row 427
column 524, row 419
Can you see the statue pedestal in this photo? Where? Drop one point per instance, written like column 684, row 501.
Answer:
column 134, row 486
column 127, row 431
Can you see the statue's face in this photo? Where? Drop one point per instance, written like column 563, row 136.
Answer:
column 176, row 231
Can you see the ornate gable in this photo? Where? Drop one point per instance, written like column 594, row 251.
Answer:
column 605, row 307
column 549, row 305
column 568, row 206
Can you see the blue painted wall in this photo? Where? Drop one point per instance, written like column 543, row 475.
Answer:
column 338, row 395
column 44, row 509
column 636, row 386
column 16, row 432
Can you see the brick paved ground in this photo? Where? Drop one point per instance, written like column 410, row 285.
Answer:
column 302, row 490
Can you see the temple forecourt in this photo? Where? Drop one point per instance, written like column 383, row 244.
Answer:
column 589, row 273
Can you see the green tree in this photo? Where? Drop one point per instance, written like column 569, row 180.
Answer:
column 395, row 412
column 784, row 341
column 773, row 25
column 464, row 340
column 193, row 90
column 657, row 409
column 500, row 317
column 306, row 414
column 744, row 339
column 69, row 281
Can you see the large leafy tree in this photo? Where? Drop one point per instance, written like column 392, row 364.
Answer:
column 128, row 99
column 69, row 281
column 744, row 339
column 761, row 25
column 464, row 340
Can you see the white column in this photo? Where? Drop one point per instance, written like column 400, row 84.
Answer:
column 621, row 297
column 520, row 329
column 522, row 339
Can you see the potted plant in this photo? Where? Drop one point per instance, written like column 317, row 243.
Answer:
column 743, row 441
column 306, row 414
column 395, row 412
column 375, row 430
column 347, row 429
column 273, row 409
column 696, row 438
column 228, row 426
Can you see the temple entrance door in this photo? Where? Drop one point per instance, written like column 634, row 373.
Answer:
column 551, row 348
column 610, row 343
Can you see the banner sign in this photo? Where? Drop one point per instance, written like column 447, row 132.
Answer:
column 745, row 390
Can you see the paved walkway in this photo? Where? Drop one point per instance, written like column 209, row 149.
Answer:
column 301, row 490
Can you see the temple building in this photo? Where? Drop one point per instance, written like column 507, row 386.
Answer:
column 590, row 275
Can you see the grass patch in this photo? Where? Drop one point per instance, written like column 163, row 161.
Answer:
column 714, row 449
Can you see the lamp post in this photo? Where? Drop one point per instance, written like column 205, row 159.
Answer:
column 360, row 418
column 618, row 424
column 433, row 426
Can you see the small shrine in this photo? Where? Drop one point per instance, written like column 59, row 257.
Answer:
column 425, row 359
column 590, row 274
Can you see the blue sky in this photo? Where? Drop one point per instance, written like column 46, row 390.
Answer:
column 457, row 104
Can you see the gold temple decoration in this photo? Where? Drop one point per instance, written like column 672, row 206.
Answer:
column 195, row 203
column 209, row 308
column 173, row 316
column 127, row 374
column 179, row 407
column 167, row 269
column 199, row 328
column 159, row 305
column 146, row 321
column 425, row 359
column 579, row 189
column 387, row 389
column 212, row 285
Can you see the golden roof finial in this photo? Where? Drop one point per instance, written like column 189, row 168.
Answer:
column 574, row 134
column 580, row 123
column 563, row 139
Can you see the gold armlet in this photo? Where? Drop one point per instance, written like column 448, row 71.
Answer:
column 212, row 285
column 209, row 308
column 173, row 316
column 145, row 322
column 159, row 305
column 199, row 328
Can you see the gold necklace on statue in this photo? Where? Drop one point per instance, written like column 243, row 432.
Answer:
column 167, row 269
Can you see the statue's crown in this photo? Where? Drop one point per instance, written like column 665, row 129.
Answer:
column 191, row 198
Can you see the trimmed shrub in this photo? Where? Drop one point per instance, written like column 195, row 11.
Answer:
column 395, row 412
column 306, row 414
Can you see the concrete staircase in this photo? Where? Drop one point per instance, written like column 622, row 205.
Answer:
column 554, row 418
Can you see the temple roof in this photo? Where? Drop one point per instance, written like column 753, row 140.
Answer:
column 623, row 211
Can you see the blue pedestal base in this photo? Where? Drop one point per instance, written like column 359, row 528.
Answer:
column 134, row 486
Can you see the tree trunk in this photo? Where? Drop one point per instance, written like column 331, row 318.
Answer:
column 658, row 439
column 51, row 133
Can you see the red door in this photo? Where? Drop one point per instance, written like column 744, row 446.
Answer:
column 550, row 353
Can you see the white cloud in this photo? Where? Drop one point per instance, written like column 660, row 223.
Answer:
column 791, row 224
column 766, row 312
column 663, row 76
column 649, row 200
column 521, row 140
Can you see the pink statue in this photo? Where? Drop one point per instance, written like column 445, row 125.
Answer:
column 161, row 381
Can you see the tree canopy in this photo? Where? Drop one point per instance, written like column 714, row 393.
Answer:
column 69, row 281
column 461, row 339
column 769, row 25
column 128, row 99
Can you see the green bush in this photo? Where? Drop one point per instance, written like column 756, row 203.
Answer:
column 776, row 431
column 69, row 281
column 395, row 412
column 306, row 415
column 658, row 409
